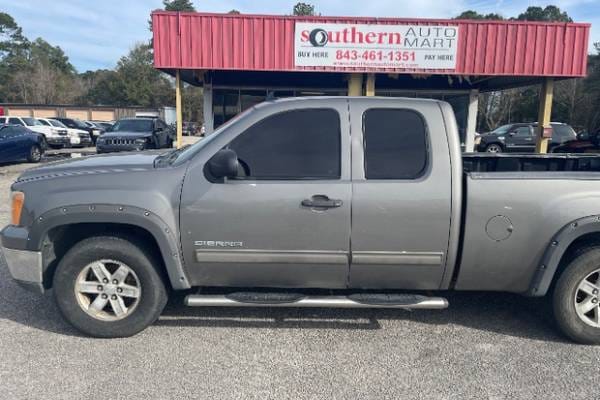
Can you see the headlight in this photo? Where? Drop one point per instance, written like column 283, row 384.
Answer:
column 140, row 141
column 17, row 199
column 500, row 137
column 95, row 132
column 55, row 131
column 477, row 140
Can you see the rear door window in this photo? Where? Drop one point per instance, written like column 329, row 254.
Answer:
column 395, row 142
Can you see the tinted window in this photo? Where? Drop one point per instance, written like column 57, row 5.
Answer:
column 522, row 131
column 300, row 144
column 43, row 122
column 563, row 133
column 15, row 121
column 134, row 125
column 395, row 144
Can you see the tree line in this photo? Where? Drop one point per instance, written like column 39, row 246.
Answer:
column 35, row 71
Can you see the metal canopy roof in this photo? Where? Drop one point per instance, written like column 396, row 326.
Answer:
column 254, row 43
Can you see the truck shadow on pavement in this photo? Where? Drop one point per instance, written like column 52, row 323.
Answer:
column 504, row 314
column 500, row 313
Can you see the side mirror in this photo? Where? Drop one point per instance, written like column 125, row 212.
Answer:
column 224, row 164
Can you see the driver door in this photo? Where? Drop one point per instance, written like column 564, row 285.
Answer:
column 285, row 220
column 522, row 138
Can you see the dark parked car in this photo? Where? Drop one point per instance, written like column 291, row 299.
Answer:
column 135, row 134
column 585, row 143
column 103, row 124
column 19, row 143
column 78, row 124
column 520, row 138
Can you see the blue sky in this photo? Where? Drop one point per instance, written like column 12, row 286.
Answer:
column 96, row 33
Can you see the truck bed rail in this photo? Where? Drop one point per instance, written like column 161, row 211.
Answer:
column 482, row 162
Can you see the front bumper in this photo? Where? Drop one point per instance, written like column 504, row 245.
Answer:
column 58, row 140
column 81, row 141
column 25, row 266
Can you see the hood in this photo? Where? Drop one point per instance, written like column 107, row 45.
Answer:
column 93, row 165
column 126, row 134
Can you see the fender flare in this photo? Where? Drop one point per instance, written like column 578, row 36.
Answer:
column 556, row 249
column 117, row 214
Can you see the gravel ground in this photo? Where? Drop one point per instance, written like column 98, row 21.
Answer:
column 485, row 346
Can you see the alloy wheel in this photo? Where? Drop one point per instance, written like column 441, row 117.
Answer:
column 586, row 299
column 108, row 290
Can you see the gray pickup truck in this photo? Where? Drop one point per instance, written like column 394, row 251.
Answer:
column 311, row 202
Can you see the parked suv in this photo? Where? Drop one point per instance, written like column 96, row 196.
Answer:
column 135, row 134
column 520, row 138
column 54, row 137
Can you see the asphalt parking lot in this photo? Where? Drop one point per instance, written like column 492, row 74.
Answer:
column 485, row 346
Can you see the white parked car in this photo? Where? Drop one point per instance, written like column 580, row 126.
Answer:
column 55, row 136
column 77, row 137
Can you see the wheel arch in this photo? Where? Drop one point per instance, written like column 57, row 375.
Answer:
column 58, row 230
column 563, row 246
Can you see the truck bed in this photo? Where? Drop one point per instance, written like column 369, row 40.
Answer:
column 483, row 162
column 513, row 206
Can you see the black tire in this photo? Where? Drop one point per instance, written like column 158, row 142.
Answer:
column 494, row 148
column 584, row 262
column 138, row 258
column 35, row 154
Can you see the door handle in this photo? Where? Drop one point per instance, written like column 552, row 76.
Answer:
column 321, row 201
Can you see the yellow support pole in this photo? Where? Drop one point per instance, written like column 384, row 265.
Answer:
column 370, row 87
column 355, row 84
column 178, row 109
column 544, row 115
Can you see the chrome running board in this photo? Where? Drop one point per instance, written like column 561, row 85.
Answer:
column 412, row 302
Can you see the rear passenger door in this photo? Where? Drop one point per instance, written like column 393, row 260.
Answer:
column 401, row 195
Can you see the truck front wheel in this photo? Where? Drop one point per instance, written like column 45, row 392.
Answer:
column 109, row 287
column 576, row 298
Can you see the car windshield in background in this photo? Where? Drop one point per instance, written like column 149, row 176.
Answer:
column 56, row 123
column 80, row 124
column 133, row 125
column 31, row 121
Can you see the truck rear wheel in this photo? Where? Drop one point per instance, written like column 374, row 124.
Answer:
column 576, row 298
column 108, row 287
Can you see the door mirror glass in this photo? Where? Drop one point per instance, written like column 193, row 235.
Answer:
column 224, row 164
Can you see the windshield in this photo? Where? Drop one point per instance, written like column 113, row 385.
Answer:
column 56, row 123
column 31, row 121
column 133, row 125
column 501, row 130
column 77, row 123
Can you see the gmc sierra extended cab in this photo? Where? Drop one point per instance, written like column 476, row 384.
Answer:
column 311, row 202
